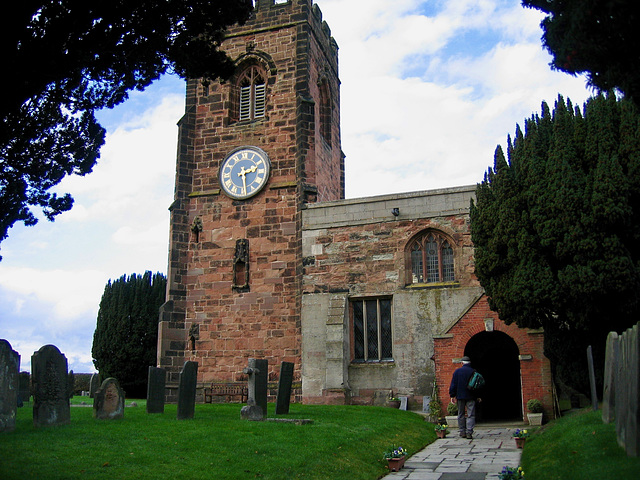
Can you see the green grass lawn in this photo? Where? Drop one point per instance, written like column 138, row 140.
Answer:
column 579, row 447
column 344, row 442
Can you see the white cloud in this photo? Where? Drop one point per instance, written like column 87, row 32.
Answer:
column 71, row 294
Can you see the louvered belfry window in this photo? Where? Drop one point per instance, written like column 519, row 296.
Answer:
column 253, row 94
column 432, row 259
column 371, row 333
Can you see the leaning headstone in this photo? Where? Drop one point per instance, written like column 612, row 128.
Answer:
column 50, row 387
column 156, row 381
column 404, row 403
column 283, row 399
column 25, row 386
column 9, row 385
column 108, row 402
column 609, row 388
column 94, row 384
column 187, row 390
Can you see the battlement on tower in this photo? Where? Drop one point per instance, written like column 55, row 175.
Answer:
column 275, row 14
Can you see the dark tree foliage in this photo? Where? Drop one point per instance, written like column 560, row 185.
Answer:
column 126, row 336
column 598, row 37
column 556, row 229
column 63, row 59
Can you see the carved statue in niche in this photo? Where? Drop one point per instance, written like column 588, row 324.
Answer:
column 194, row 334
column 241, row 265
column 196, row 228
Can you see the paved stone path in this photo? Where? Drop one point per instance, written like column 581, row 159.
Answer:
column 455, row 458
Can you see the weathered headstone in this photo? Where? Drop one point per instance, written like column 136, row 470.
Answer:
column 426, row 403
column 404, row 403
column 283, row 399
column 155, row 390
column 627, row 408
column 612, row 354
column 50, row 387
column 592, row 379
column 108, row 401
column 94, row 384
column 9, row 385
column 25, row 386
column 187, row 390
column 256, row 408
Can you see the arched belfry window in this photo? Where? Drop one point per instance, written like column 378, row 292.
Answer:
column 325, row 111
column 252, row 89
column 431, row 258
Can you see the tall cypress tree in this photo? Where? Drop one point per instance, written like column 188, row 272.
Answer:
column 126, row 336
column 556, row 228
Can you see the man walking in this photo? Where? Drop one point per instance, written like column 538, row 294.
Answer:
column 459, row 392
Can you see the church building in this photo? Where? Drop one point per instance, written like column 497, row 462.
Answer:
column 368, row 297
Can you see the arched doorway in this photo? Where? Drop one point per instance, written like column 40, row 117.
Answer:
column 495, row 356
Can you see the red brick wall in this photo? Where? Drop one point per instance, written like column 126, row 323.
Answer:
column 535, row 372
column 293, row 46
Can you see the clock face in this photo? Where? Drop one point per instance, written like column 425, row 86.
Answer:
column 244, row 172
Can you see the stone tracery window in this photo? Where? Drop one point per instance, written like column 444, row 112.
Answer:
column 431, row 259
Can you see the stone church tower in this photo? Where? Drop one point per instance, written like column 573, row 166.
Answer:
column 252, row 152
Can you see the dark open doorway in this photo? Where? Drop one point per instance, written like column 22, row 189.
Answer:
column 495, row 356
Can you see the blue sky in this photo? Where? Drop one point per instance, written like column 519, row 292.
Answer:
column 429, row 89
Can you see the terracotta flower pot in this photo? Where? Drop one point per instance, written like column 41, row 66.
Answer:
column 520, row 441
column 441, row 433
column 395, row 464
column 394, row 403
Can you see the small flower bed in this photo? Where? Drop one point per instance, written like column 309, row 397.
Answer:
column 520, row 433
column 395, row 452
column 511, row 473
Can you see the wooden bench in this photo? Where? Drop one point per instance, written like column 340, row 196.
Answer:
column 227, row 390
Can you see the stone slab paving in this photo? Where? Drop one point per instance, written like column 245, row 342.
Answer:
column 455, row 458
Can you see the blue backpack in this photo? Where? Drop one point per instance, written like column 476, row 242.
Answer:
column 476, row 382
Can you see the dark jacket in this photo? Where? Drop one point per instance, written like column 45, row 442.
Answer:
column 460, row 381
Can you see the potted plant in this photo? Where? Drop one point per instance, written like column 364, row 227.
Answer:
column 534, row 411
column 441, row 430
column 452, row 415
column 511, row 473
column 520, row 436
column 393, row 402
column 395, row 457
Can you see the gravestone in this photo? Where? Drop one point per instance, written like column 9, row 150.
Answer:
column 72, row 383
column 609, row 388
column 25, row 386
column 283, row 399
column 592, row 379
column 108, row 401
column 9, row 386
column 404, row 403
column 256, row 408
column 187, row 390
column 94, row 384
column 426, row 404
column 155, row 390
column 49, row 380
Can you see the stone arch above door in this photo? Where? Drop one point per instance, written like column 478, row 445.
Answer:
column 535, row 369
